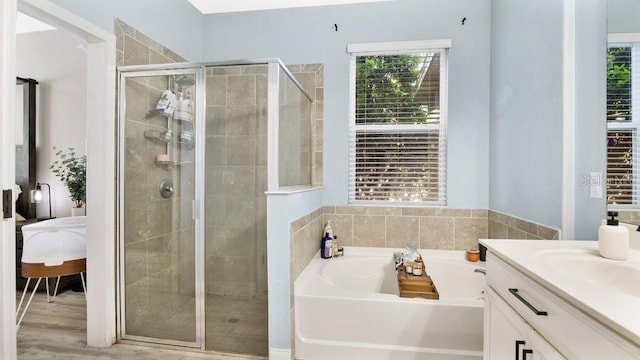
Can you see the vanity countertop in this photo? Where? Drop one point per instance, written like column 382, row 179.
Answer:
column 607, row 290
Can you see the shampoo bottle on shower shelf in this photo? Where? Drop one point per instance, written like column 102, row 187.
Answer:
column 326, row 246
column 613, row 240
column 166, row 104
column 183, row 109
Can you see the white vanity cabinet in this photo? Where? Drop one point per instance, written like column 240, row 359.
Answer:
column 508, row 336
column 525, row 320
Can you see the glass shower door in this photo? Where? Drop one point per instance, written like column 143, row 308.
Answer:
column 157, row 227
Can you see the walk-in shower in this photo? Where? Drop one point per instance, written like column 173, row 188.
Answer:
column 199, row 145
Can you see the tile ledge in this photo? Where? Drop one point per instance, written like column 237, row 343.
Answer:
column 293, row 190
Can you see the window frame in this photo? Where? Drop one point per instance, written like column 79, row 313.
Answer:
column 400, row 48
column 633, row 126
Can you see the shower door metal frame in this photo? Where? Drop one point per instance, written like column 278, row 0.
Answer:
column 124, row 73
column 199, row 69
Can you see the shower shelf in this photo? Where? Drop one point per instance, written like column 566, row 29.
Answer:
column 161, row 136
column 170, row 163
column 153, row 112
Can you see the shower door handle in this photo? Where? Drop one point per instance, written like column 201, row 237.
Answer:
column 195, row 209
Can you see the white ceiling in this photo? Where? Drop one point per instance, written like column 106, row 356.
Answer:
column 224, row 6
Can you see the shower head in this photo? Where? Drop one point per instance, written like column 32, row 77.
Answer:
column 183, row 80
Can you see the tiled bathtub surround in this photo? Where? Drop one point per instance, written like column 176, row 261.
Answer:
column 426, row 228
column 432, row 228
column 304, row 244
column 429, row 228
column 629, row 216
column 305, row 235
column 503, row 226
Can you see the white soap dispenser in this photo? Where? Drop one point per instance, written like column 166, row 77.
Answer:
column 613, row 240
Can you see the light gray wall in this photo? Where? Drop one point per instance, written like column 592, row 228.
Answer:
column 623, row 16
column 591, row 149
column 62, row 105
column 307, row 35
column 526, row 110
column 282, row 209
column 175, row 24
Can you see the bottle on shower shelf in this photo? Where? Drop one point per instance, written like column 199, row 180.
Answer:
column 183, row 109
column 166, row 104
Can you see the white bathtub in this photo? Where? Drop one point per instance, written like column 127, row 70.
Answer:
column 349, row 308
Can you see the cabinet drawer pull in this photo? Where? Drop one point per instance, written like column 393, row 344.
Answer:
column 524, row 301
column 518, row 344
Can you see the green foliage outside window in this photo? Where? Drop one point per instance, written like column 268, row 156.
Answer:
column 620, row 142
column 387, row 89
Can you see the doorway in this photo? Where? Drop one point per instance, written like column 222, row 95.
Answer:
column 100, row 175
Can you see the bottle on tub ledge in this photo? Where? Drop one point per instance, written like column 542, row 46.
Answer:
column 329, row 247
column 328, row 229
column 326, row 246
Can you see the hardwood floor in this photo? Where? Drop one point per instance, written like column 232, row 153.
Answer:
column 57, row 331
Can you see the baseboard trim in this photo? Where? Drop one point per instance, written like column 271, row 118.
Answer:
column 279, row 354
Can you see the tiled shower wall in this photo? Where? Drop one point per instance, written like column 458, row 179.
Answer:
column 311, row 77
column 135, row 48
column 294, row 135
column 228, row 248
column 152, row 266
column 236, row 174
column 236, row 178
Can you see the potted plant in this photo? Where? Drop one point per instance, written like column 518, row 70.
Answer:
column 71, row 169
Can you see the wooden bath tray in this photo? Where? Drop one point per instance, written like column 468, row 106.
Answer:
column 416, row 286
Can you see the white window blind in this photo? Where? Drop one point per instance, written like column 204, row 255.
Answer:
column 398, row 128
column 623, row 97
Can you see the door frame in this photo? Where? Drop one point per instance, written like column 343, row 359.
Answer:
column 101, row 291
column 7, row 177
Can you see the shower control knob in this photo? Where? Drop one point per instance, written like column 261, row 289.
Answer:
column 166, row 188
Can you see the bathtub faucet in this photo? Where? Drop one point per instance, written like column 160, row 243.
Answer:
column 479, row 270
column 397, row 258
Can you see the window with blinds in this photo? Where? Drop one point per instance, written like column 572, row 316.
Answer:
column 623, row 96
column 398, row 128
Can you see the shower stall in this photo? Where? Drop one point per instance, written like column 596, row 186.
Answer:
column 199, row 147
